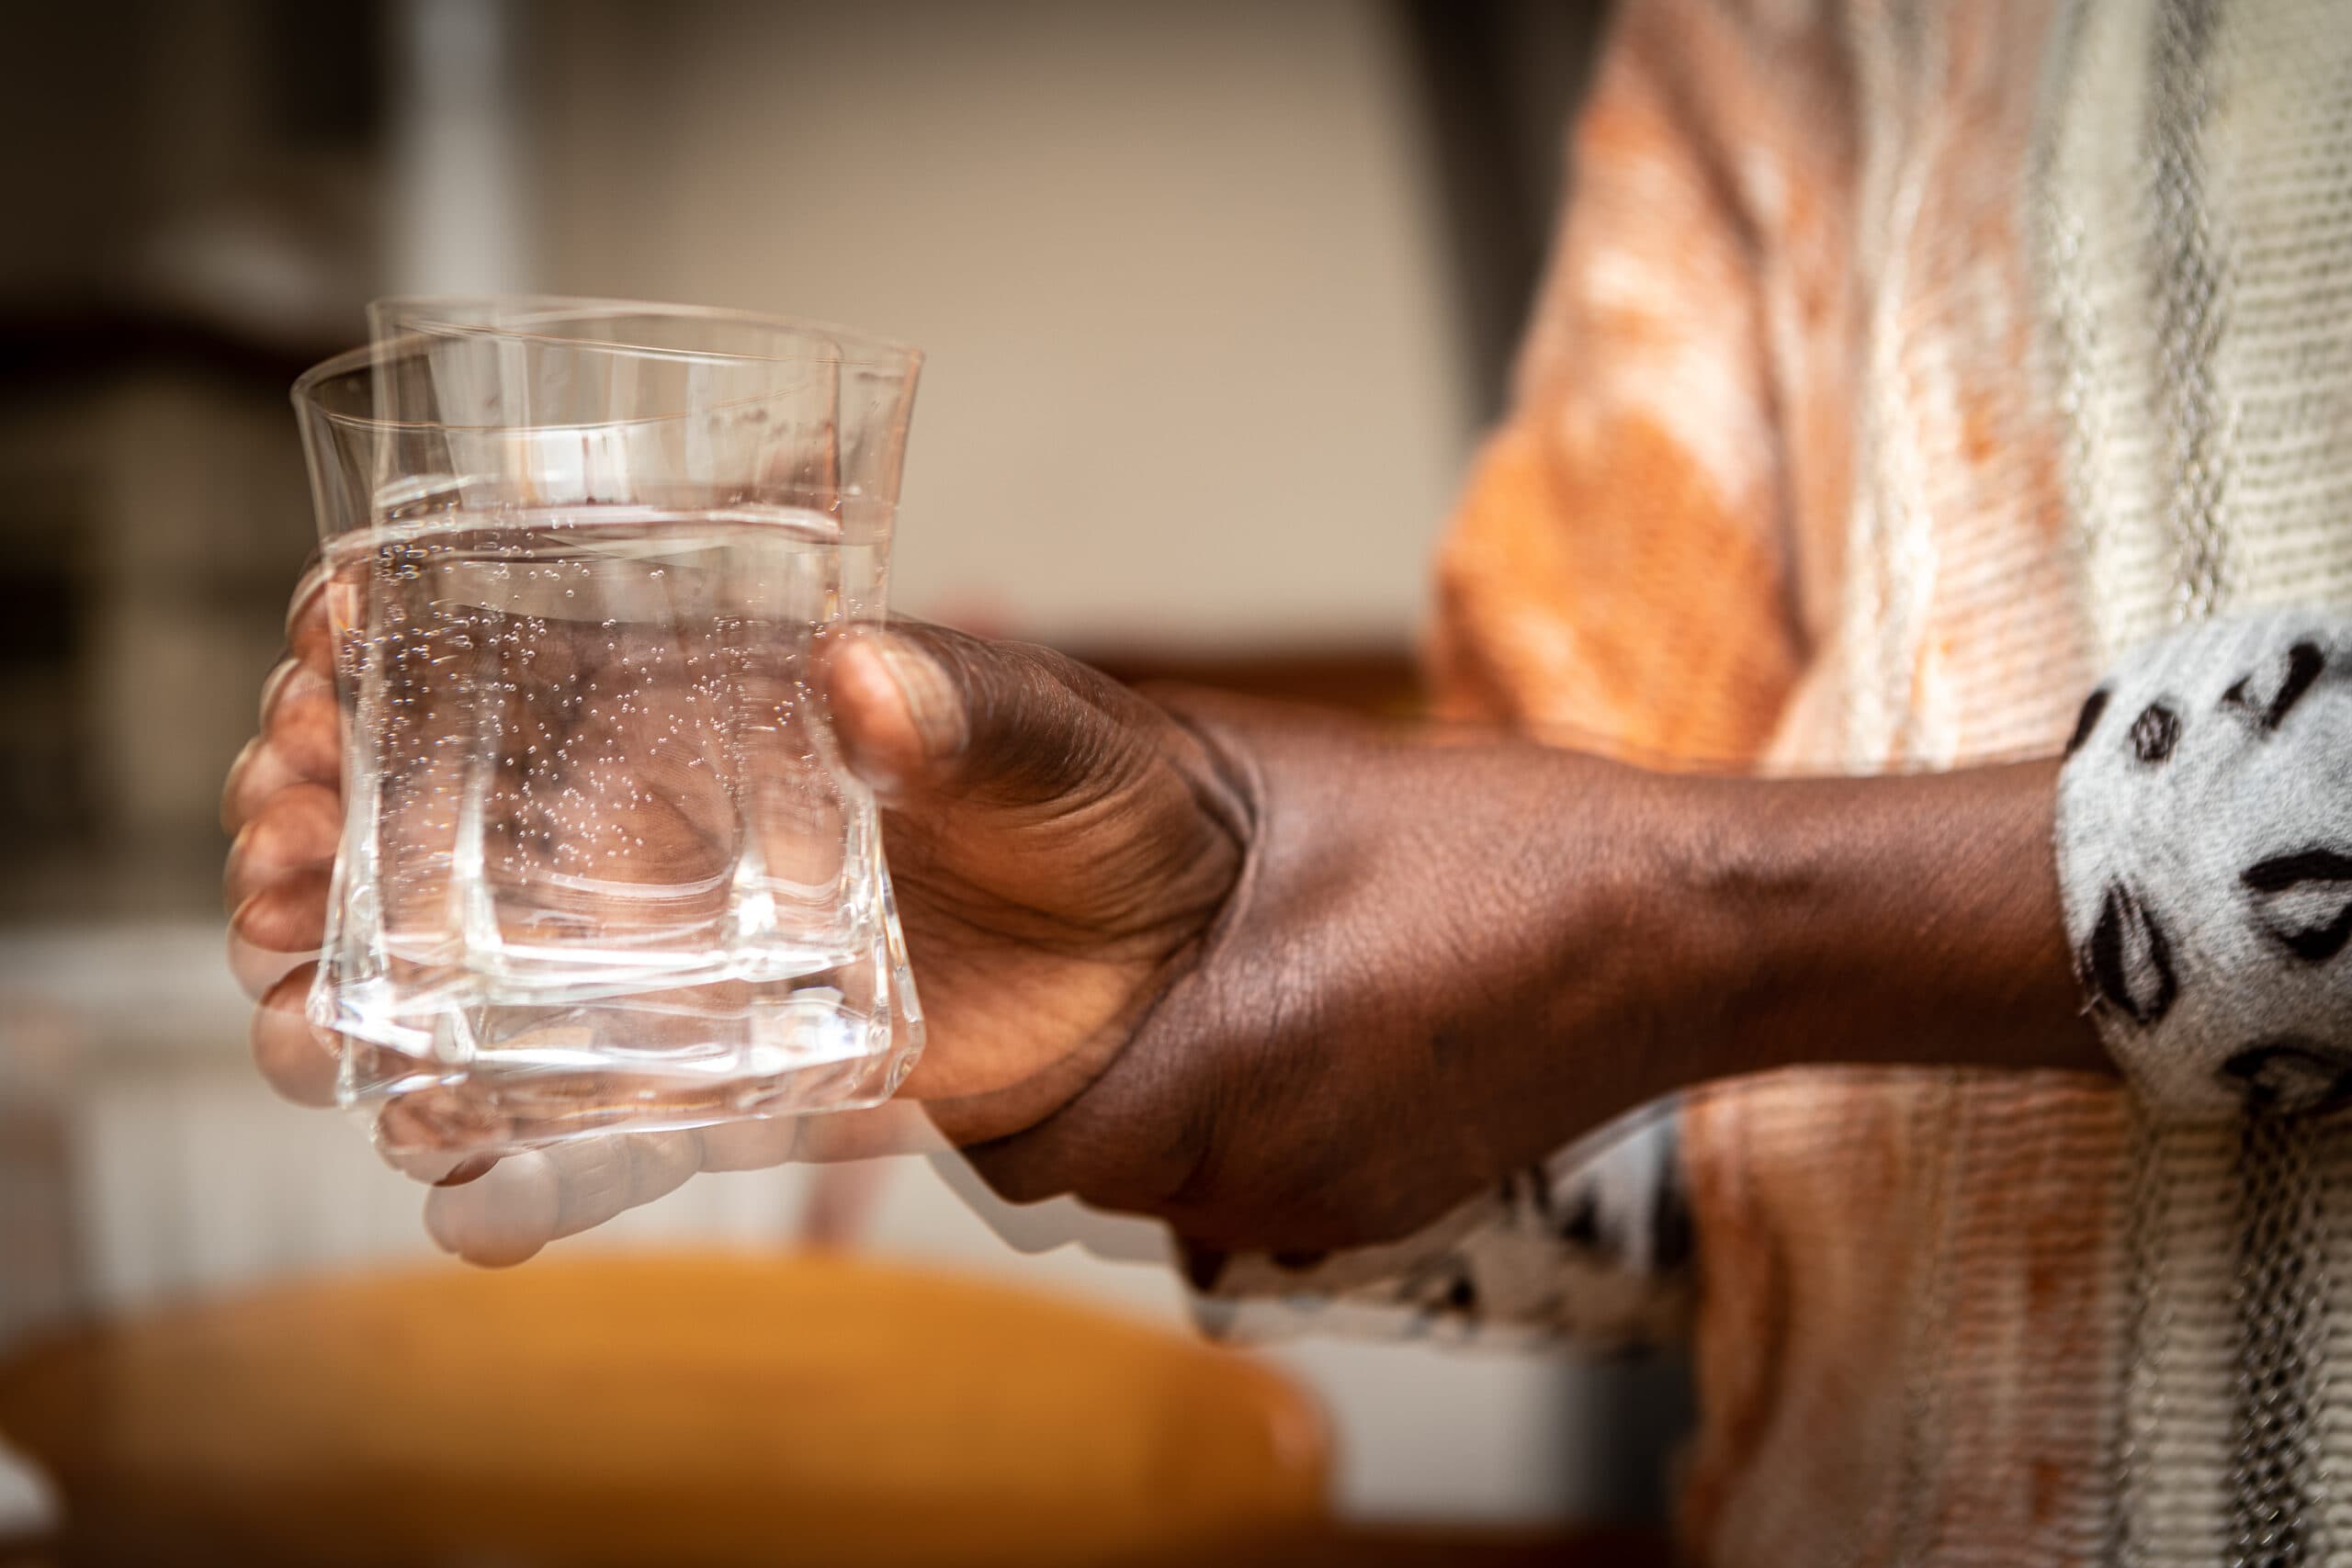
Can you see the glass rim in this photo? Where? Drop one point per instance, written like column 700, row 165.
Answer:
column 850, row 345
column 306, row 392
column 364, row 358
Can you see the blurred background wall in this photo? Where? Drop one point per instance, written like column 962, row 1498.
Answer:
column 1216, row 294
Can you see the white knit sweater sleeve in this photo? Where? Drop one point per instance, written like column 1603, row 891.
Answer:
column 2204, row 841
column 1591, row 1247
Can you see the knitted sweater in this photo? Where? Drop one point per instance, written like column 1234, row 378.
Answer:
column 1904, row 368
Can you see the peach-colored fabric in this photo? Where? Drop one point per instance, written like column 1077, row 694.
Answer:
column 1906, row 1340
column 1779, row 488
column 1625, row 562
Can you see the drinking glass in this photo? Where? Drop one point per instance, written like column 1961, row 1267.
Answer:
column 601, row 866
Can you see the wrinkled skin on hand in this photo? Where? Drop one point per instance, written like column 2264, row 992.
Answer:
column 1059, row 847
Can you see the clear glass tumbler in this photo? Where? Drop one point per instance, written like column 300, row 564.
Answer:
column 601, row 866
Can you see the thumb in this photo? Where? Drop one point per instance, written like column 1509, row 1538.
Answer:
column 919, row 708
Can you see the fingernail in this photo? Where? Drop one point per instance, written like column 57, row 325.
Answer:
column 305, row 587
column 929, row 696
column 274, row 682
column 468, row 1170
column 440, row 1226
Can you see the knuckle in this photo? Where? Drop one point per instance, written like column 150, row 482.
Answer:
column 232, row 788
column 286, row 916
column 298, row 1061
column 294, row 830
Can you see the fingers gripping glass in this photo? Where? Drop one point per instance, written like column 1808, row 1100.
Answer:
column 600, row 866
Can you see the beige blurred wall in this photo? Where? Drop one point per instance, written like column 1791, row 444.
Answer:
column 1193, row 374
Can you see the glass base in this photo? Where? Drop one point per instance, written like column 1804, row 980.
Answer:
column 502, row 1105
column 462, row 1068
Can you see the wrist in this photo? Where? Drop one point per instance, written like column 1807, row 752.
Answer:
column 1641, row 944
column 1892, row 921
column 1439, row 963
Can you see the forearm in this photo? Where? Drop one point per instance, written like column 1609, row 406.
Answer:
column 1665, row 931
column 1443, row 963
column 1428, row 978
column 1910, row 919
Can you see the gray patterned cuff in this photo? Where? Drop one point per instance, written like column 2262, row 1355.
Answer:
column 2204, row 840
